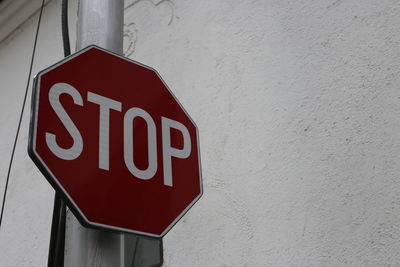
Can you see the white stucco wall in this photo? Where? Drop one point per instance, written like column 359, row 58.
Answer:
column 298, row 106
column 24, row 234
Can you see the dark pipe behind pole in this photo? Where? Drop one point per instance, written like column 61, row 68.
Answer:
column 57, row 236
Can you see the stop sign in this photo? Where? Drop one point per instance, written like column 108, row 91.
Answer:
column 109, row 135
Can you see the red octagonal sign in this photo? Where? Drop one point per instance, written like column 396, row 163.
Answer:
column 110, row 136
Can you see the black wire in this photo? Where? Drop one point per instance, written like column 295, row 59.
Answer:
column 21, row 115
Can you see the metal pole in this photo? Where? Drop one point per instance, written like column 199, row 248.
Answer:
column 100, row 22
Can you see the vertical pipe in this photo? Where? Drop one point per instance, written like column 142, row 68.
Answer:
column 56, row 249
column 57, row 235
column 100, row 22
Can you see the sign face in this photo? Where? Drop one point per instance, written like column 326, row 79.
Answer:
column 109, row 135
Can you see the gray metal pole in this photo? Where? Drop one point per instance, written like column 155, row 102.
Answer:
column 100, row 22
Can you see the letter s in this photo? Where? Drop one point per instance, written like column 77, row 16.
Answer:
column 54, row 97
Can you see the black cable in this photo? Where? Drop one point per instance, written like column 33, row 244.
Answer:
column 21, row 115
column 57, row 235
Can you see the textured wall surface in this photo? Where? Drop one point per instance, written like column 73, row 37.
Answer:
column 25, row 231
column 298, row 106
